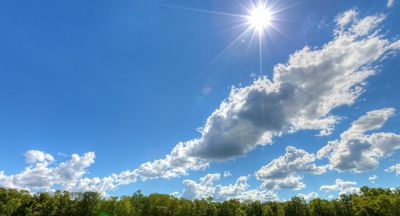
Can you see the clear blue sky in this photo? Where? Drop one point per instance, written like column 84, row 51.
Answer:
column 128, row 80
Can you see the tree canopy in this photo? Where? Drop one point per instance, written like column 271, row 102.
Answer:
column 370, row 201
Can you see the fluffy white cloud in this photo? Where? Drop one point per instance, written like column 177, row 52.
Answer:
column 395, row 168
column 101, row 185
column 40, row 175
column 344, row 187
column 240, row 190
column 75, row 167
column 283, row 172
column 308, row 197
column 373, row 179
column 290, row 182
column 356, row 151
column 203, row 189
column 33, row 156
column 175, row 164
column 300, row 96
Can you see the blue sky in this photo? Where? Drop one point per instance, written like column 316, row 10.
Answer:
column 129, row 80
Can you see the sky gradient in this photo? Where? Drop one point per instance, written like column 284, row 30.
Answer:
column 164, row 96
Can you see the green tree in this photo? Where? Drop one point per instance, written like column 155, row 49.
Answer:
column 296, row 207
column 319, row 207
column 267, row 211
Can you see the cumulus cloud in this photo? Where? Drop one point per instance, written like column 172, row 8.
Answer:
column 41, row 175
column 202, row 189
column 344, row 187
column 177, row 163
column 205, row 188
column 290, row 182
column 395, row 168
column 284, row 172
column 358, row 152
column 300, row 96
column 308, row 197
column 33, row 156
column 373, row 179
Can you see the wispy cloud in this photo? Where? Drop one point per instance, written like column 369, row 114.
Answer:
column 395, row 168
column 389, row 3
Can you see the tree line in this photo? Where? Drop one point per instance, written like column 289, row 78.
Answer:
column 370, row 201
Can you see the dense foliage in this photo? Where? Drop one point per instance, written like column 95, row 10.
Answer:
column 370, row 201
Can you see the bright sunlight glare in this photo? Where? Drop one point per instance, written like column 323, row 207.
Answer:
column 259, row 18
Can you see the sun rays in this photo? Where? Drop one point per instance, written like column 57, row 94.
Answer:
column 258, row 20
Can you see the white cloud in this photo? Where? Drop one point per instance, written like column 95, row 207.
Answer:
column 175, row 194
column 373, row 179
column 6, row 181
column 39, row 175
column 344, row 187
column 395, row 168
column 389, row 3
column 300, row 96
column 283, row 172
column 101, row 185
column 308, row 197
column 358, row 152
column 345, row 18
column 177, row 163
column 240, row 190
column 33, row 156
column 290, row 182
column 227, row 173
column 75, row 167
column 203, row 189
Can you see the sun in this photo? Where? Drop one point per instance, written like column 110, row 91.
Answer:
column 259, row 18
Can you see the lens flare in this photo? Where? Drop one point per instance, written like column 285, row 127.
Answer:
column 259, row 18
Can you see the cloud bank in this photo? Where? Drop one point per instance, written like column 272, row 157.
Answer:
column 40, row 174
column 205, row 188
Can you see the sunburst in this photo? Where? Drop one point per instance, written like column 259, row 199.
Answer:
column 260, row 19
